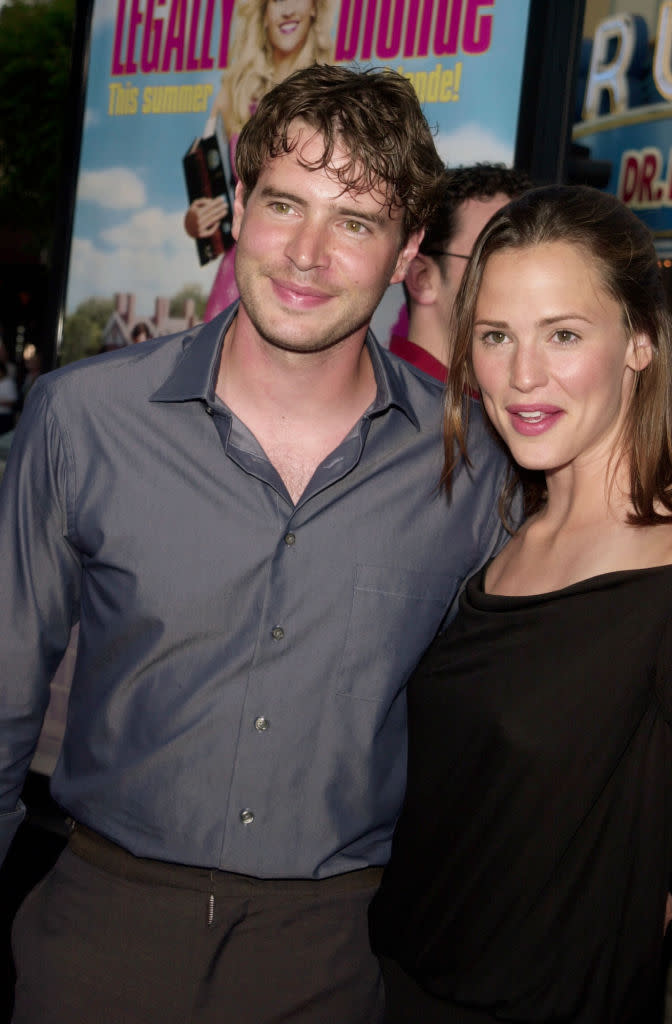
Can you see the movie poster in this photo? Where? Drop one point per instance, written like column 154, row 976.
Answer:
column 164, row 74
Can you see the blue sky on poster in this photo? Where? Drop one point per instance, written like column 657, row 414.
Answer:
column 128, row 233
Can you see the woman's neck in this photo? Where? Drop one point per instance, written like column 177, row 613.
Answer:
column 582, row 531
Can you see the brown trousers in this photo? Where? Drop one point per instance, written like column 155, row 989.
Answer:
column 108, row 938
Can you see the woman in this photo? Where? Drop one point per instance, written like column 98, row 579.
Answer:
column 273, row 38
column 532, row 859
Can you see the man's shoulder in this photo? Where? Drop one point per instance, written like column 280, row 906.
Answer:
column 426, row 396
column 424, row 393
column 478, row 425
column 125, row 374
column 138, row 361
column 485, row 454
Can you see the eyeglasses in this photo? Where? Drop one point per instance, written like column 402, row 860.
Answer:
column 446, row 252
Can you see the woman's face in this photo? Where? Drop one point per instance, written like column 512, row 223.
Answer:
column 552, row 357
column 287, row 25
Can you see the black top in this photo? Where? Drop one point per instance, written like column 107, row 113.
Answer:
column 532, row 858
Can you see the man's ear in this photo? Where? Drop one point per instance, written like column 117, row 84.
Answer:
column 238, row 210
column 423, row 280
column 407, row 255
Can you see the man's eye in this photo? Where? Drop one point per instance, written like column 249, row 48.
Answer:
column 281, row 207
column 355, row 227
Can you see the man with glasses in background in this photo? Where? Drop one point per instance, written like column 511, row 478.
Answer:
column 472, row 195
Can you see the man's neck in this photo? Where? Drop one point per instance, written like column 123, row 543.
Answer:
column 424, row 331
column 299, row 383
column 299, row 406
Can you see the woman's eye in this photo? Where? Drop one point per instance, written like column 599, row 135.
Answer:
column 565, row 337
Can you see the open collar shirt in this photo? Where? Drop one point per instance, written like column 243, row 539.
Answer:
column 238, row 696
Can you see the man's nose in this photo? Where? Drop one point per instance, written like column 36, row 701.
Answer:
column 308, row 246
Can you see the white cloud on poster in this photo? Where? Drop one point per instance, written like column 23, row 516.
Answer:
column 151, row 226
column 149, row 255
column 114, row 188
column 471, row 144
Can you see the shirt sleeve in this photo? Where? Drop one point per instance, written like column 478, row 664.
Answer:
column 39, row 590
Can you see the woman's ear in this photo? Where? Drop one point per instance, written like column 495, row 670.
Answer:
column 423, row 279
column 640, row 352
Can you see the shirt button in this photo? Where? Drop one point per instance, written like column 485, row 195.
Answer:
column 261, row 724
column 290, row 538
column 277, row 633
column 247, row 816
column 210, row 411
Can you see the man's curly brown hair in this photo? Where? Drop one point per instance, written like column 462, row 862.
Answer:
column 375, row 115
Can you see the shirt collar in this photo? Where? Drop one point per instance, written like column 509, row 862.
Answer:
column 391, row 383
column 195, row 375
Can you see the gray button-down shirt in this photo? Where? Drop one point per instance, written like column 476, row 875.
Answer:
column 238, row 696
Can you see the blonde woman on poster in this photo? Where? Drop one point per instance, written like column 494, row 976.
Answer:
column 273, row 38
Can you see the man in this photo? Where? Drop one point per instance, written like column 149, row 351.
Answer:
column 246, row 522
column 471, row 196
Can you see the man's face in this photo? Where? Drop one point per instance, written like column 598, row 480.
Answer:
column 312, row 261
column 472, row 216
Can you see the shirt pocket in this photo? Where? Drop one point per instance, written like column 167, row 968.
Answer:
column 395, row 613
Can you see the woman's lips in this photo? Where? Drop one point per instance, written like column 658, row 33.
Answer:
column 531, row 420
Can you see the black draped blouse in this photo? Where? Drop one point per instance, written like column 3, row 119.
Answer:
column 532, row 858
